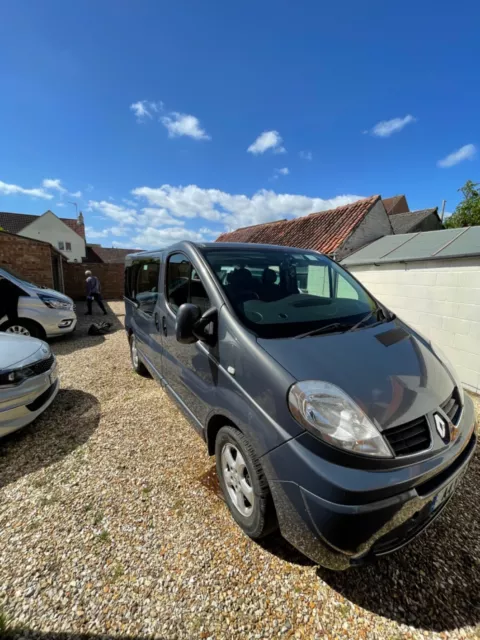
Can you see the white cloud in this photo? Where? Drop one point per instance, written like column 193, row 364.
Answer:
column 183, row 124
column 15, row 190
column 95, row 234
column 60, row 204
column 284, row 171
column 54, row 184
column 152, row 237
column 467, row 152
column 385, row 128
column 235, row 210
column 152, row 216
column 267, row 140
column 114, row 211
column 144, row 109
column 76, row 194
column 89, row 188
column 131, row 203
column 306, row 155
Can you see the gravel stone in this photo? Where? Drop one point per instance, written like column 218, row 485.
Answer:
column 111, row 525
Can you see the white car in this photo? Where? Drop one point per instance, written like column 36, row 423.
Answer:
column 28, row 380
column 42, row 313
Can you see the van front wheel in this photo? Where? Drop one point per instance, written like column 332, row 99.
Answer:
column 137, row 364
column 244, row 484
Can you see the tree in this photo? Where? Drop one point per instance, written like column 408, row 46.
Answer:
column 467, row 213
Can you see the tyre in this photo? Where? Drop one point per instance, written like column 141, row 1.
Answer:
column 24, row 327
column 244, row 484
column 137, row 364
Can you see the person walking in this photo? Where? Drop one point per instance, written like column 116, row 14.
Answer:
column 93, row 293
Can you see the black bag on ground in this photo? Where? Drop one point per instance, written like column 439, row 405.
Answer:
column 99, row 328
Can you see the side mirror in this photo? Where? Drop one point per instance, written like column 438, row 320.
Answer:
column 187, row 316
column 192, row 326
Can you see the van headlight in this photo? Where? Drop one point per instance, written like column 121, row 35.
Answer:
column 56, row 303
column 332, row 415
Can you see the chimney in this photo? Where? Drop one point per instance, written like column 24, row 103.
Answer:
column 81, row 225
column 80, row 219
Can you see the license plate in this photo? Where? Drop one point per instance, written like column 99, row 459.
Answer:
column 53, row 376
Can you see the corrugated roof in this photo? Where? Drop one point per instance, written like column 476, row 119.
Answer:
column 426, row 245
column 324, row 231
column 15, row 222
column 406, row 222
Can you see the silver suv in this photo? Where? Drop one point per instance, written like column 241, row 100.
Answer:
column 28, row 380
column 42, row 313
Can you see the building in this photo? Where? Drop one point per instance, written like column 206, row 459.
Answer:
column 340, row 231
column 67, row 235
column 432, row 281
column 33, row 260
column 96, row 253
column 336, row 232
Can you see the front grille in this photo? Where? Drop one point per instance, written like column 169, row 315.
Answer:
column 452, row 407
column 42, row 366
column 408, row 438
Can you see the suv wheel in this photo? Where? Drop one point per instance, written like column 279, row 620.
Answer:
column 137, row 364
column 22, row 327
column 244, row 484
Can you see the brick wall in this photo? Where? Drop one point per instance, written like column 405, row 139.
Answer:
column 110, row 276
column 31, row 260
column 440, row 298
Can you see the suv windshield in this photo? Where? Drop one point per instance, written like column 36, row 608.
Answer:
column 286, row 292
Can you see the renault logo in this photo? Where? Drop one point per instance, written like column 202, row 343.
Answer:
column 441, row 426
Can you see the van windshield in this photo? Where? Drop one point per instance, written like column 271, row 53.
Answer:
column 286, row 292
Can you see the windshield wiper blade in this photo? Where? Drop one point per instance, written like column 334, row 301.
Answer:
column 329, row 328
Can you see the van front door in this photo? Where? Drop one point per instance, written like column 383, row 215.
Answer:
column 188, row 369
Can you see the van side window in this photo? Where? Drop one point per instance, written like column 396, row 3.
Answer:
column 184, row 284
column 147, row 285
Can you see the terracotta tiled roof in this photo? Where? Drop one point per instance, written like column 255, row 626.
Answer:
column 324, row 231
column 105, row 254
column 15, row 222
column 406, row 222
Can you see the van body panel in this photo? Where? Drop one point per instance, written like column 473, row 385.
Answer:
column 336, row 506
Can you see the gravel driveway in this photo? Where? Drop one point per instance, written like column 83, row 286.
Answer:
column 110, row 525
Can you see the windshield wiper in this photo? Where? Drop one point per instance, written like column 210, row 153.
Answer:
column 329, row 328
column 367, row 317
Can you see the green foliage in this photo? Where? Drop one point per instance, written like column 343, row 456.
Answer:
column 467, row 213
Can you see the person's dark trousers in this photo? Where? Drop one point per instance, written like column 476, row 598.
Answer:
column 98, row 299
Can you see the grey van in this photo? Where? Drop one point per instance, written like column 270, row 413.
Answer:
column 329, row 417
column 41, row 313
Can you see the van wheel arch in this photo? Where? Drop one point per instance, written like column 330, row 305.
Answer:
column 214, row 425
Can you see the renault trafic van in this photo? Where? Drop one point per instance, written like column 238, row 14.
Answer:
column 329, row 417
column 40, row 312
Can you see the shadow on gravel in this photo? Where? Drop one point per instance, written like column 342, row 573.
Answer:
column 67, row 424
column 434, row 583
column 275, row 543
column 80, row 339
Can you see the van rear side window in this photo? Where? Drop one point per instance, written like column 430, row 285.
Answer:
column 141, row 284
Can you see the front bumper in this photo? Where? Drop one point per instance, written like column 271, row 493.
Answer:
column 340, row 516
column 22, row 404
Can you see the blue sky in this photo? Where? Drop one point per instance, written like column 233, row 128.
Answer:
column 171, row 120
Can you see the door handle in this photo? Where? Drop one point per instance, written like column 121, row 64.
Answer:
column 156, row 321
column 164, row 325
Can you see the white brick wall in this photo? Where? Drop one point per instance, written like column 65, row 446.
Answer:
column 441, row 299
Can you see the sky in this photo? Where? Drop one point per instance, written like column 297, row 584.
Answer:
column 178, row 120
